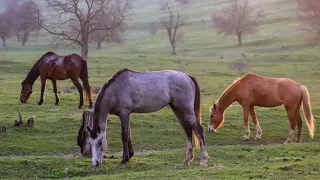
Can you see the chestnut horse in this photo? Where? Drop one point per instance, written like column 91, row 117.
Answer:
column 54, row 67
column 143, row 92
column 255, row 90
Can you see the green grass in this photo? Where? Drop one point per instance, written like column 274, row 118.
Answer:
column 49, row 150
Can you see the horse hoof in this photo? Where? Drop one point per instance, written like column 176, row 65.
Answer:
column 186, row 162
column 122, row 166
column 203, row 165
column 257, row 138
column 245, row 138
column 57, row 104
column 287, row 142
column 39, row 103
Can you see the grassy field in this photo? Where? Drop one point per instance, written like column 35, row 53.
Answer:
column 49, row 150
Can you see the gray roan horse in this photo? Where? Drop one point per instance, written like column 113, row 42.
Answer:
column 144, row 92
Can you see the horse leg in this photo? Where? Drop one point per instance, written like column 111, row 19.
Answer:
column 292, row 119
column 246, row 123
column 256, row 122
column 299, row 124
column 54, row 84
column 125, row 126
column 198, row 129
column 131, row 151
column 188, row 131
column 79, row 87
column 43, row 86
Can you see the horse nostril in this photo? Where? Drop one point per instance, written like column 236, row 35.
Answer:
column 97, row 163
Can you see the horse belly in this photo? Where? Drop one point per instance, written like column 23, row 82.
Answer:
column 268, row 101
column 149, row 104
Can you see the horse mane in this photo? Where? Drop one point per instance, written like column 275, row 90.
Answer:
column 229, row 87
column 93, row 133
column 34, row 71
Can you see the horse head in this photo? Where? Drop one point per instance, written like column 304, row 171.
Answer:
column 98, row 144
column 26, row 91
column 216, row 118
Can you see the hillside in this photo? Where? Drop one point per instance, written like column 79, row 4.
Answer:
column 49, row 150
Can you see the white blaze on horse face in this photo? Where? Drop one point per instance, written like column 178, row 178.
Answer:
column 59, row 61
column 98, row 148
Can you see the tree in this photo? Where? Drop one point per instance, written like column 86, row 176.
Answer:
column 173, row 26
column 75, row 19
column 12, row 9
column 112, row 35
column 239, row 19
column 5, row 27
column 26, row 17
column 310, row 18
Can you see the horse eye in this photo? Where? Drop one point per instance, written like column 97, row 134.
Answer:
column 211, row 116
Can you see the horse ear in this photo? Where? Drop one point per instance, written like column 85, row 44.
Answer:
column 214, row 106
column 88, row 128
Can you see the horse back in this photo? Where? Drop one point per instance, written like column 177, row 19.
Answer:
column 267, row 91
column 53, row 66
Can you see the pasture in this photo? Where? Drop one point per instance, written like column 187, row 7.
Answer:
column 49, row 150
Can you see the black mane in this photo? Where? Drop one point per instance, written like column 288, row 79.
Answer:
column 93, row 133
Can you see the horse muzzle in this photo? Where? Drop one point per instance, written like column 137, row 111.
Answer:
column 211, row 129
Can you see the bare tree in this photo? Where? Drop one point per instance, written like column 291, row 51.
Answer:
column 173, row 26
column 75, row 19
column 26, row 20
column 5, row 27
column 239, row 19
column 113, row 35
column 310, row 18
column 12, row 9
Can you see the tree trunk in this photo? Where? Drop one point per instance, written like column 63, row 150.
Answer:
column 84, row 50
column 4, row 41
column 239, row 34
column 24, row 39
column 18, row 37
column 173, row 49
column 99, row 45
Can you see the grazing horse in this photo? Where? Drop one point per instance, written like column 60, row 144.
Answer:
column 255, row 90
column 144, row 92
column 54, row 67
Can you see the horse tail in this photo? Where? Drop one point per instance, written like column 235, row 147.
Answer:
column 85, row 79
column 197, row 107
column 307, row 110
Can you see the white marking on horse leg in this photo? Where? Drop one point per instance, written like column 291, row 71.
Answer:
column 247, row 130
column 258, row 132
column 289, row 139
column 204, row 157
column 189, row 154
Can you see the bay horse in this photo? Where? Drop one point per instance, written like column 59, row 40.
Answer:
column 54, row 67
column 255, row 90
column 144, row 92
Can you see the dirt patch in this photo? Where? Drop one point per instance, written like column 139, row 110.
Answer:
column 216, row 166
column 67, row 156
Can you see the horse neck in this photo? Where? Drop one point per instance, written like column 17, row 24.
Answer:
column 227, row 98
column 33, row 74
column 101, row 112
